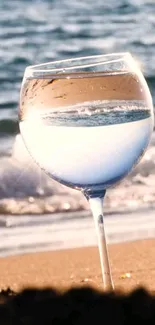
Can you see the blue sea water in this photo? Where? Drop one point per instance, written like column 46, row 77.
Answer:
column 33, row 32
column 37, row 31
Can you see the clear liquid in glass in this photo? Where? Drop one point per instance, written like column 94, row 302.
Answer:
column 90, row 146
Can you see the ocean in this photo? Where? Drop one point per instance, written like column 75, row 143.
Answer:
column 38, row 31
column 33, row 32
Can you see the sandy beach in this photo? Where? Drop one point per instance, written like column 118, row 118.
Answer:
column 132, row 264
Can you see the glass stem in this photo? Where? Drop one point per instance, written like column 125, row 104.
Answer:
column 96, row 205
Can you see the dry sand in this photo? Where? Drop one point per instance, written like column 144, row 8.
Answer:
column 132, row 263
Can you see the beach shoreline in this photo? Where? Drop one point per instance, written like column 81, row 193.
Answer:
column 132, row 265
column 62, row 252
column 27, row 234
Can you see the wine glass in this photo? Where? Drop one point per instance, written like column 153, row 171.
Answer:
column 86, row 122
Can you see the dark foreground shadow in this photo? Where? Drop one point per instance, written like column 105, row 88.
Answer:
column 79, row 306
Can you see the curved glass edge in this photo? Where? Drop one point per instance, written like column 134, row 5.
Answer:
column 90, row 64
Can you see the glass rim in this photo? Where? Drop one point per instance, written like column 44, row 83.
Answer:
column 107, row 59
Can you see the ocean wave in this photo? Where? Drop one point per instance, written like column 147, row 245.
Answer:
column 8, row 104
column 20, row 176
column 8, row 127
column 151, row 81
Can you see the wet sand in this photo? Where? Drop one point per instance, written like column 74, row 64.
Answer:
column 132, row 264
